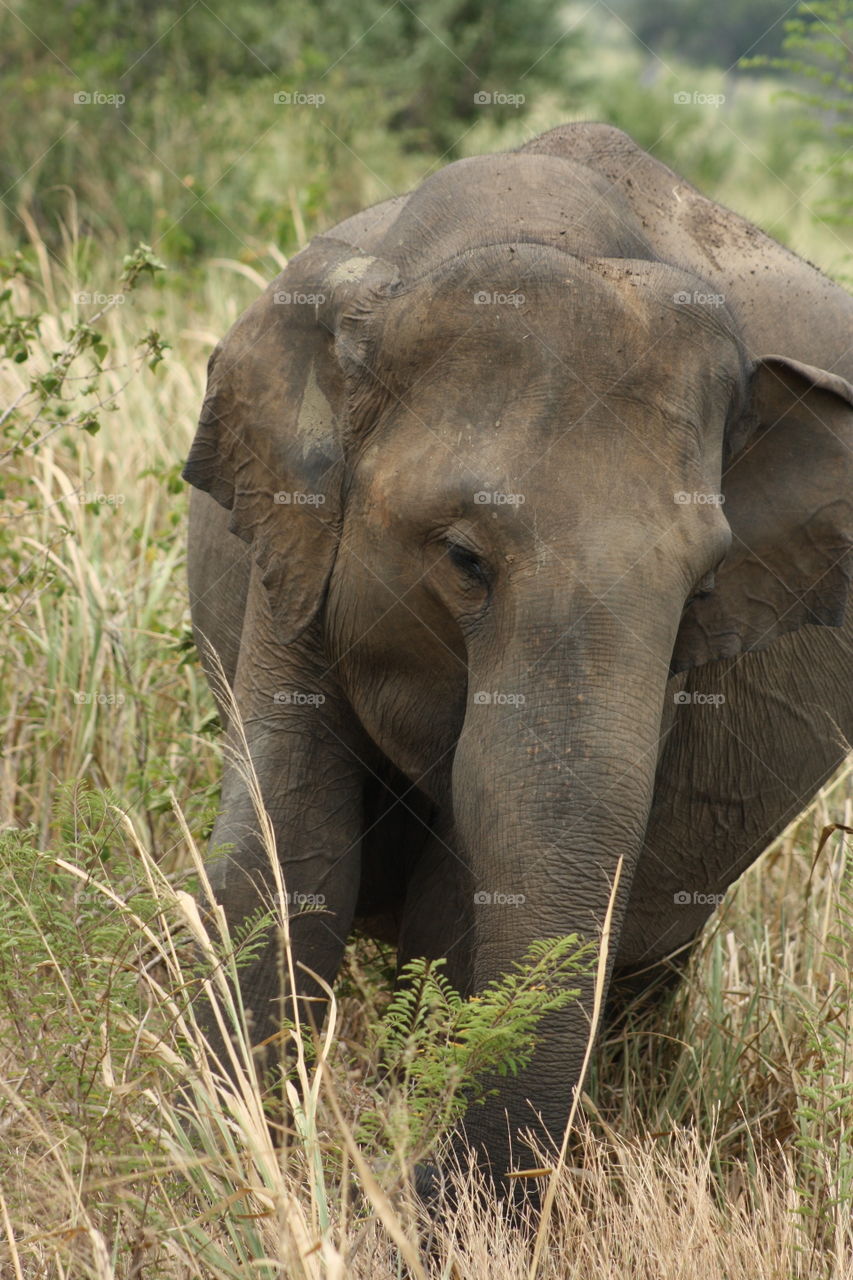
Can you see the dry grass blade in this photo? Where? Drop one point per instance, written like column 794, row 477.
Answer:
column 378, row 1198
column 10, row 1237
column 598, row 998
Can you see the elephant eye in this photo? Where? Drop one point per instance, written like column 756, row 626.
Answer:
column 467, row 561
column 703, row 588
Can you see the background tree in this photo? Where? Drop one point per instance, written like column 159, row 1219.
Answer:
column 716, row 34
column 818, row 57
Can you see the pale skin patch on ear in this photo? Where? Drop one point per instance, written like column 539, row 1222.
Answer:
column 315, row 415
column 348, row 271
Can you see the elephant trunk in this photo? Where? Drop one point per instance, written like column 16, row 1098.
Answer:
column 552, row 780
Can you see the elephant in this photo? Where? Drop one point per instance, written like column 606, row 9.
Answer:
column 521, row 526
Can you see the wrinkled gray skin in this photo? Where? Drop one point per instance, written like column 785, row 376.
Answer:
column 395, row 398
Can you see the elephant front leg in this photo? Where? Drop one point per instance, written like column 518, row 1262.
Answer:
column 293, row 743
column 438, row 919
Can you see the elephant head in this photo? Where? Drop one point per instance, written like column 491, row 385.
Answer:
column 524, row 487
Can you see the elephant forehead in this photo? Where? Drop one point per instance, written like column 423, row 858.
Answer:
column 538, row 307
column 522, row 463
column 475, row 408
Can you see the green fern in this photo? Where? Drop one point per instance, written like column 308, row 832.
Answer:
column 438, row 1048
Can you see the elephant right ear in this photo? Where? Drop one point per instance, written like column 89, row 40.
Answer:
column 270, row 440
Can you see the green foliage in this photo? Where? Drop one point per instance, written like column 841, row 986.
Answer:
column 200, row 159
column 817, row 45
column 143, row 261
column 105, row 95
column 431, row 62
column 439, row 1052
column 54, row 401
column 74, row 942
column 68, row 969
column 105, row 648
column 98, row 1040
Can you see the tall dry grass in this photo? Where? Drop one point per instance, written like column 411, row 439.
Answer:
column 715, row 1135
column 680, row 1179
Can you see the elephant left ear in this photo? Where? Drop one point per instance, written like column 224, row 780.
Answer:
column 788, row 498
